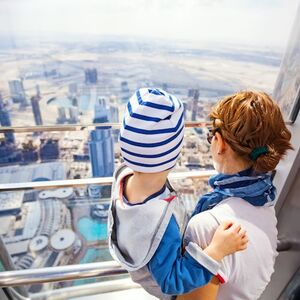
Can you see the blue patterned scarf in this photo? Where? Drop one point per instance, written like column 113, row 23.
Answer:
column 258, row 189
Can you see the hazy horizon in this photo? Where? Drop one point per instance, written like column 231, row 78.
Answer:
column 266, row 23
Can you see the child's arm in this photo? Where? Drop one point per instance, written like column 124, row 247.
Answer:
column 178, row 274
column 228, row 238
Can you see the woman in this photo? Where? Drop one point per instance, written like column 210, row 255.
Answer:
column 248, row 139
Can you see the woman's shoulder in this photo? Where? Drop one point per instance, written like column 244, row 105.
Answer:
column 233, row 209
column 201, row 227
column 252, row 218
column 237, row 206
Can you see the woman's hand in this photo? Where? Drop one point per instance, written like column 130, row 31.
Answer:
column 228, row 238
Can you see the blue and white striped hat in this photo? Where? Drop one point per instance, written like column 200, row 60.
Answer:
column 152, row 131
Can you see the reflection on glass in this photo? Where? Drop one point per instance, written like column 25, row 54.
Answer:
column 66, row 73
column 288, row 82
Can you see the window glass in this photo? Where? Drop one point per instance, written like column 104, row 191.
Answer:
column 65, row 62
column 287, row 88
column 72, row 62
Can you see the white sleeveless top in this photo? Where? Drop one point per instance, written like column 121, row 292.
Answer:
column 246, row 273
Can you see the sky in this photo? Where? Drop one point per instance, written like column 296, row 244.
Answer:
column 248, row 22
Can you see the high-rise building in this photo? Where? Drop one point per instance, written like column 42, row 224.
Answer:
column 101, row 152
column 74, row 100
column 5, row 121
column 29, row 152
column 191, row 93
column 73, row 112
column 67, row 115
column 51, row 73
column 113, row 114
column 36, row 109
column 49, row 149
column 91, row 76
column 38, row 91
column 125, row 92
column 114, row 118
column 73, row 88
column 101, row 143
column 185, row 109
column 17, row 92
column 9, row 154
column 195, row 94
column 101, row 111
column 62, row 118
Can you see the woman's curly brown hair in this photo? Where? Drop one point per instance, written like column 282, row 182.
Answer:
column 248, row 120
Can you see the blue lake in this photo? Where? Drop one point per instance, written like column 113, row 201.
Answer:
column 96, row 255
column 92, row 230
column 93, row 255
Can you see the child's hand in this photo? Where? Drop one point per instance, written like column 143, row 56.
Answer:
column 228, row 238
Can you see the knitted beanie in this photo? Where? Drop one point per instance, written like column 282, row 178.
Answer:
column 152, row 131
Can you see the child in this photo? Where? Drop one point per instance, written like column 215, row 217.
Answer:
column 147, row 219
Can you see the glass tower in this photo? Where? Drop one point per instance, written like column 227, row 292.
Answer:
column 101, row 143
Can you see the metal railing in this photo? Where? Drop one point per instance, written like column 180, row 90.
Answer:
column 61, row 273
column 79, row 127
column 115, row 285
column 99, row 181
column 87, row 126
column 71, row 272
column 85, row 290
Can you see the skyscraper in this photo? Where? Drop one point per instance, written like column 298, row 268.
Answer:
column 73, row 89
column 36, row 110
column 185, row 109
column 9, row 154
column 62, row 118
column 17, row 91
column 91, row 76
column 67, row 115
column 49, row 149
column 125, row 92
column 114, row 118
column 101, row 143
column 29, row 152
column 195, row 95
column 113, row 114
column 38, row 91
column 165, row 86
column 73, row 112
column 73, row 94
column 5, row 121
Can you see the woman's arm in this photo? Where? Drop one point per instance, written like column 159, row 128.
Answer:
column 207, row 292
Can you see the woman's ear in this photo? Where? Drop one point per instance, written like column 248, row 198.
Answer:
column 220, row 143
